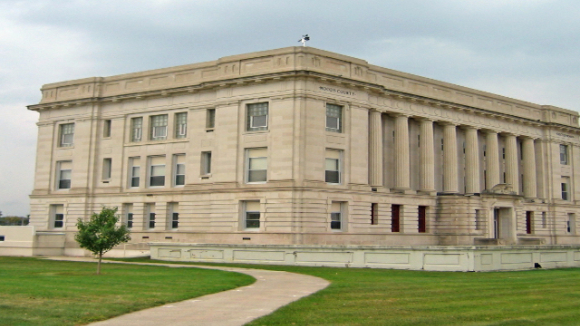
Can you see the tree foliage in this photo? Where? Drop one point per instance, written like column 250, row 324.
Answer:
column 101, row 233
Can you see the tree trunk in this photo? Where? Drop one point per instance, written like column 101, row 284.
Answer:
column 99, row 264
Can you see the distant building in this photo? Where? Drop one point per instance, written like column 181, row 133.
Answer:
column 304, row 147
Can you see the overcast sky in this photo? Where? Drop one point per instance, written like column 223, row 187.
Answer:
column 524, row 49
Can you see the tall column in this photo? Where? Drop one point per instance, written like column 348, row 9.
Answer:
column 375, row 149
column 427, row 156
column 472, row 183
column 402, row 177
column 450, row 173
column 530, row 185
column 511, row 162
column 492, row 159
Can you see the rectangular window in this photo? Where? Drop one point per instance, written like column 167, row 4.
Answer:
column 257, row 117
column 565, row 188
column 336, row 216
column 128, row 210
column 179, row 170
column 157, row 171
column 107, row 128
column 479, row 219
column 332, row 166
column 151, row 214
column 159, row 127
column 422, row 219
column 564, row 154
column 257, row 165
column 57, row 212
column 333, row 118
column 136, row 129
column 134, row 172
column 210, row 119
column 571, row 223
column 67, row 131
column 251, row 214
column 374, row 214
column 396, row 218
column 205, row 163
column 64, row 174
column 107, row 168
column 529, row 222
column 174, row 213
column 181, row 125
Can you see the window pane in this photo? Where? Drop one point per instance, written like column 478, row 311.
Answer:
column 332, row 176
column 137, row 124
column 257, row 116
column 157, row 181
column 135, row 182
column 158, row 170
column 257, row 176
column 333, row 117
column 252, row 220
column 180, row 180
column 331, row 164
column 258, row 163
column 210, row 123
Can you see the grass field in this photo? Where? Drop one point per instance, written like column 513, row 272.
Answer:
column 397, row 297
column 41, row 292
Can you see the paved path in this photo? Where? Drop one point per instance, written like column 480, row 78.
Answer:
column 239, row 306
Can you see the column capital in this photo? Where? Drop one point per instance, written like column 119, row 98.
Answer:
column 400, row 115
column 489, row 131
column 509, row 134
column 466, row 127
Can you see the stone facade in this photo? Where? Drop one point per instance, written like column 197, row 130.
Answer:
column 299, row 146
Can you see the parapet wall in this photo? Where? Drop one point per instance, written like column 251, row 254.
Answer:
column 432, row 258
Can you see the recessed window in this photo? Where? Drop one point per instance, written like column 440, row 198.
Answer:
column 66, row 134
column 205, row 163
column 571, row 223
column 57, row 216
column 174, row 213
column 565, row 188
column 529, row 222
column 107, row 167
column 251, row 215
column 422, row 219
column 333, row 118
column 257, row 117
column 332, row 166
column 134, row 171
column 257, row 165
column 336, row 216
column 181, row 125
column 564, row 154
column 128, row 209
column 136, row 129
column 210, row 119
column 107, row 128
column 157, row 171
column 64, row 174
column 159, row 127
column 179, row 170
column 396, row 218
column 151, row 216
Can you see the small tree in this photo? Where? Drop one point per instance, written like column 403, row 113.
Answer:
column 100, row 234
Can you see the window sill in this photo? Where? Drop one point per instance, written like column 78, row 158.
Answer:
column 154, row 142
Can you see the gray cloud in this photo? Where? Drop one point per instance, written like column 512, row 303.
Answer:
column 525, row 49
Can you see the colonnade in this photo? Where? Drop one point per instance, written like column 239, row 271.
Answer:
column 450, row 167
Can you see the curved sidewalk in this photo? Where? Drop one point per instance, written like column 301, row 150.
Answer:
column 272, row 290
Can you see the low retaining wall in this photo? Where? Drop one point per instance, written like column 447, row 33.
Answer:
column 432, row 258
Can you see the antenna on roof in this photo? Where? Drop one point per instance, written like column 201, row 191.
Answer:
column 304, row 39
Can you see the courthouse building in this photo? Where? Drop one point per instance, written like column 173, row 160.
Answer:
column 304, row 148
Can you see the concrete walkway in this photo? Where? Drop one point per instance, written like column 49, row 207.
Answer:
column 239, row 306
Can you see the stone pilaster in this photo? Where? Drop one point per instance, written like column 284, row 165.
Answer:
column 492, row 159
column 375, row 149
column 530, row 185
column 427, row 156
column 450, row 166
column 472, row 161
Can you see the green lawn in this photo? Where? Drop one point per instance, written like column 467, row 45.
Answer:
column 397, row 297
column 42, row 292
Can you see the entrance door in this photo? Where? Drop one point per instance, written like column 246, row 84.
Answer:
column 503, row 227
